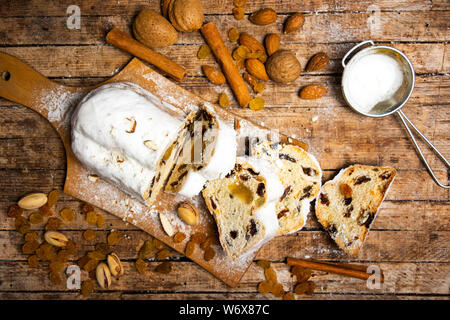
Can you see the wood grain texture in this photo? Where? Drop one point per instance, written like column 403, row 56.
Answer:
column 410, row 237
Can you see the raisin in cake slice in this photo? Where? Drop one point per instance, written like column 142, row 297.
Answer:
column 243, row 206
column 129, row 137
column 208, row 153
column 301, row 176
column 349, row 203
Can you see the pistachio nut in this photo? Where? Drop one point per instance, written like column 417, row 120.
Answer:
column 56, row 239
column 114, row 264
column 103, row 275
column 167, row 226
column 33, row 201
column 188, row 213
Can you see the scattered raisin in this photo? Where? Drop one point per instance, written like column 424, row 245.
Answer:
column 89, row 235
column 198, row 237
column 263, row 264
column 288, row 296
column 63, row 255
column 100, row 221
column 270, row 275
column 15, row 211
column 46, row 211
column 158, row 244
column 207, row 243
column 306, row 287
column 96, row 255
column 36, row 218
column 141, row 266
column 224, row 101
column 91, row 217
column 278, row 290
column 56, row 266
column 164, row 268
column 210, row 253
column 103, row 248
column 53, row 224
column 204, row 51
column 71, row 248
column 233, row 35
column 83, row 261
column 239, row 3
column 114, row 238
column 33, row 261
column 179, row 237
column 238, row 13
column 90, row 265
column 146, row 249
column 52, row 198
column 22, row 225
column 30, row 247
column 87, row 287
column 55, row 278
column 264, row 287
column 302, row 274
column 346, row 190
column 85, row 208
column 31, row 236
column 67, row 214
column 256, row 103
column 163, row 254
column 190, row 248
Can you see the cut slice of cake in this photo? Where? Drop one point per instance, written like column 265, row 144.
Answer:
column 348, row 204
column 301, row 177
column 243, row 206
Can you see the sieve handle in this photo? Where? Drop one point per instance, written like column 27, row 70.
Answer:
column 354, row 48
column 406, row 122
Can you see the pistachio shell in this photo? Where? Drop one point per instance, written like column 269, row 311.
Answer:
column 33, row 201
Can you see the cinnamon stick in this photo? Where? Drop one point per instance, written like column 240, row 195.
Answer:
column 234, row 78
column 348, row 270
column 123, row 41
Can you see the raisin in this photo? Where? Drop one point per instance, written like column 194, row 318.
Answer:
column 306, row 287
column 163, row 254
column 85, row 208
column 96, row 255
column 103, row 248
column 158, row 244
column 204, row 51
column 71, row 248
column 233, row 234
column 264, row 287
column 146, row 249
column 302, row 274
column 83, row 261
column 256, row 103
column 33, row 261
column 284, row 156
column 31, row 236
column 361, row 180
column 224, row 101
column 30, row 247
column 348, row 201
column 346, row 190
column 286, row 192
column 63, row 255
column 233, row 35
column 244, row 177
column 288, row 296
column 15, row 211
column 90, row 265
column 348, row 212
column 141, row 266
column 238, row 13
column 89, row 235
column 114, row 238
column 179, row 237
column 100, row 221
column 55, row 278
column 309, row 171
column 282, row 213
column 251, row 228
column 385, row 175
column 190, row 248
column 198, row 237
column 67, row 214
column 36, row 218
column 324, row 199
column 210, row 253
column 46, row 211
column 213, row 204
column 52, row 198
column 164, row 268
column 56, row 266
column 22, row 225
column 87, row 287
column 263, row 264
column 270, row 275
column 53, row 224
column 207, row 243
column 277, row 290
column 261, row 189
column 239, row 3
column 91, row 217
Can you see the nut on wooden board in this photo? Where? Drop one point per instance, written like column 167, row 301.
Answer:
column 188, row 213
column 153, row 30
column 283, row 66
column 33, row 201
column 186, row 15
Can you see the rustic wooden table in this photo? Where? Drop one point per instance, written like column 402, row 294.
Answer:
column 409, row 239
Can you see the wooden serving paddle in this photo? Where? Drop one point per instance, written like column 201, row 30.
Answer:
column 56, row 102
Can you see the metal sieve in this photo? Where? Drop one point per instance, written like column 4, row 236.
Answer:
column 394, row 103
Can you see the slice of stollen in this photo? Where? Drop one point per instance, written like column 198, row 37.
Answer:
column 348, row 204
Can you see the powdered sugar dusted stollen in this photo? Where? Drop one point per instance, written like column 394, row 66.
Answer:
column 216, row 141
column 243, row 206
column 348, row 204
column 301, row 177
column 127, row 136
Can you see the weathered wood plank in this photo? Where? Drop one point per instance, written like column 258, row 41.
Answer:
column 394, row 215
column 400, row 278
column 381, row 245
column 330, row 132
column 11, row 8
column 75, row 61
column 318, row 28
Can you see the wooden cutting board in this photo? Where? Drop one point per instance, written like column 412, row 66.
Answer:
column 23, row 85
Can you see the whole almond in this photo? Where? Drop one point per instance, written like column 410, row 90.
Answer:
column 56, row 239
column 103, row 275
column 214, row 75
column 294, row 22
column 167, row 226
column 317, row 62
column 33, row 201
column 272, row 43
column 263, row 17
column 256, row 68
column 250, row 42
column 114, row 264
column 313, row 91
column 188, row 213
